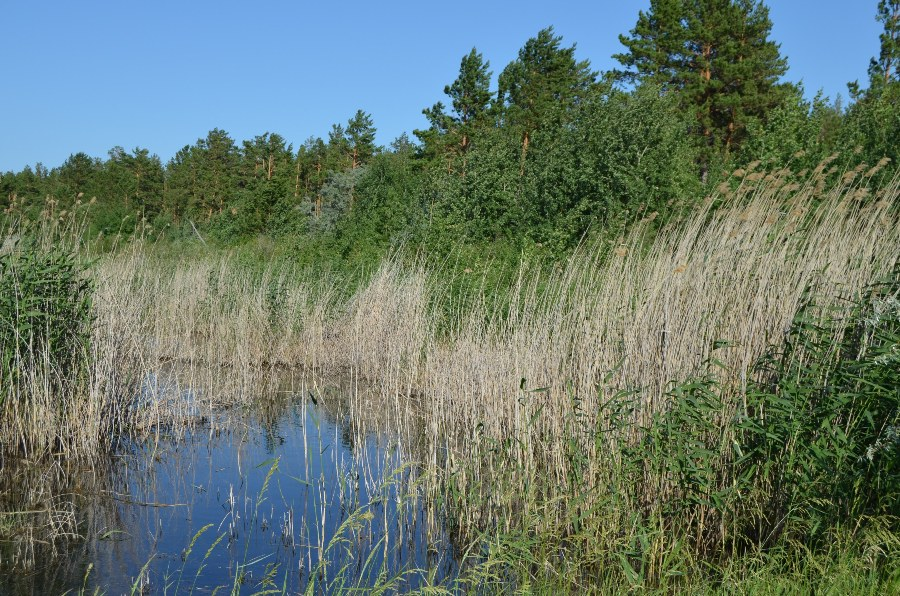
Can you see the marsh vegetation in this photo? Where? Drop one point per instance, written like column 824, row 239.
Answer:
column 637, row 332
column 712, row 402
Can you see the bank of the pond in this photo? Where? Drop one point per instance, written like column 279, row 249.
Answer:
column 711, row 403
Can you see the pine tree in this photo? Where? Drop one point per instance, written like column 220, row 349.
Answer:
column 470, row 96
column 78, row 175
column 350, row 148
column 267, row 179
column 655, row 46
column 134, row 180
column 267, row 156
column 218, row 167
column 451, row 134
column 337, row 152
column 312, row 161
column 883, row 71
column 148, row 176
column 360, row 133
column 182, row 189
column 717, row 56
column 542, row 85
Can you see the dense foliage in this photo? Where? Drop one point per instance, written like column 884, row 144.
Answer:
column 555, row 152
column 45, row 318
column 821, row 437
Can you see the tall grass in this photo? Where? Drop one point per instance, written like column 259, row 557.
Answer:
column 596, row 404
column 629, row 321
column 48, row 401
column 597, row 415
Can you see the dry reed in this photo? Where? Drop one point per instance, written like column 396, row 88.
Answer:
column 637, row 319
column 172, row 340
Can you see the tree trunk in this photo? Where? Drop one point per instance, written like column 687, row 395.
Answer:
column 729, row 137
column 525, row 141
column 707, row 58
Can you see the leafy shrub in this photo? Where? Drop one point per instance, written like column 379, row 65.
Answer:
column 45, row 316
column 822, row 435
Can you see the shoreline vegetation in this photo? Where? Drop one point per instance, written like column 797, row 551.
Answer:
column 633, row 331
column 682, row 408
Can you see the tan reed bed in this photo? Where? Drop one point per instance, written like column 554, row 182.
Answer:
column 172, row 339
column 637, row 318
column 232, row 327
column 206, row 329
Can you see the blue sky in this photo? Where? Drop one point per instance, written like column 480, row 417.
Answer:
column 87, row 76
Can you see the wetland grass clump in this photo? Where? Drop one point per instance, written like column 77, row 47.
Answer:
column 46, row 318
column 64, row 387
column 598, row 420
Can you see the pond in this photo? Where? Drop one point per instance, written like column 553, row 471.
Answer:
column 272, row 497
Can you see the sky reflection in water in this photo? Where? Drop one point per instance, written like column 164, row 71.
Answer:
column 264, row 497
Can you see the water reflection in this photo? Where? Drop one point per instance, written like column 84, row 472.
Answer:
column 271, row 498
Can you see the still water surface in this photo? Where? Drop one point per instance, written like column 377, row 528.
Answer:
column 268, row 499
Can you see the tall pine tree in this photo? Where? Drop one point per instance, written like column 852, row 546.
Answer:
column 218, row 159
column 542, row 85
column 717, row 55
column 451, row 134
column 883, row 71
column 360, row 139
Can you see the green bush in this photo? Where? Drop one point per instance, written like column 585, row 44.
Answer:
column 45, row 316
column 821, row 440
column 813, row 451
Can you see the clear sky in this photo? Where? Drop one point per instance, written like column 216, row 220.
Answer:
column 87, row 76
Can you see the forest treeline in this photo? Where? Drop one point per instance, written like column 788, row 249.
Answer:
column 554, row 152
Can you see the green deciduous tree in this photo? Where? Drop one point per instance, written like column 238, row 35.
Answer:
column 389, row 208
column 624, row 157
column 798, row 133
column 487, row 204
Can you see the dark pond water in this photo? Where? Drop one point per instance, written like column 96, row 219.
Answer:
column 270, row 499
